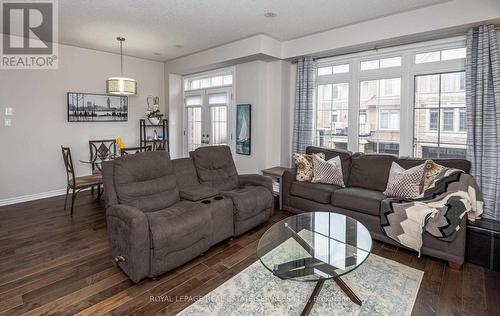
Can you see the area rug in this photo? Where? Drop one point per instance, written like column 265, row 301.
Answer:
column 386, row 287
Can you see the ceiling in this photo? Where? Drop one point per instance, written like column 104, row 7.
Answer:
column 166, row 29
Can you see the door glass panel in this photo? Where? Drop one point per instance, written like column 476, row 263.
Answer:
column 218, row 125
column 219, row 98
column 379, row 116
column 193, row 127
column 193, row 100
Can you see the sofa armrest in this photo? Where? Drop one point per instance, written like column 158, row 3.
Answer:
column 289, row 176
column 128, row 231
column 256, row 180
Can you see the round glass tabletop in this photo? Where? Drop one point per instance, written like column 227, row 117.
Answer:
column 314, row 246
column 99, row 160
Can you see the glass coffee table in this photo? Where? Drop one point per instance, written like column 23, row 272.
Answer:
column 315, row 247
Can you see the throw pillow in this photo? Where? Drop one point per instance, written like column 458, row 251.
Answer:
column 327, row 171
column 405, row 183
column 431, row 173
column 304, row 165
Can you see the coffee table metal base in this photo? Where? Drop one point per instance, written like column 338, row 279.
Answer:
column 315, row 293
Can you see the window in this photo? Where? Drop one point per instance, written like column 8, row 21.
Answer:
column 448, row 117
column 440, row 116
column 381, row 63
column 332, row 114
column 462, row 125
column 380, row 98
column 332, row 70
column 393, row 86
column 447, row 54
column 208, row 82
column 389, row 119
column 433, row 120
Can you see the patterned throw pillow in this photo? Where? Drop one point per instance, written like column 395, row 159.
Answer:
column 405, row 183
column 432, row 172
column 328, row 171
column 304, row 165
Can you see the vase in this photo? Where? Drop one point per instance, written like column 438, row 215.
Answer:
column 154, row 120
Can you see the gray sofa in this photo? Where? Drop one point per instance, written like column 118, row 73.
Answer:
column 162, row 213
column 366, row 176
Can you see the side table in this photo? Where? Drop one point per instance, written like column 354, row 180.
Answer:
column 276, row 173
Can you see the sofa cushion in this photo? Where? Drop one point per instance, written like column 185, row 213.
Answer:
column 145, row 181
column 405, row 183
column 319, row 192
column 370, row 171
column 345, row 158
column 249, row 201
column 198, row 192
column 215, row 167
column 358, row 199
column 179, row 226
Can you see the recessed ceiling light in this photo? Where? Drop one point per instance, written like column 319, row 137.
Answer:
column 179, row 46
column 270, row 14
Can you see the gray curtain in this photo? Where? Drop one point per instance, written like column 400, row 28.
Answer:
column 483, row 114
column 303, row 133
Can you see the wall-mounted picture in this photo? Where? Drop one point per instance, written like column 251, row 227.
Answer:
column 243, row 129
column 88, row 107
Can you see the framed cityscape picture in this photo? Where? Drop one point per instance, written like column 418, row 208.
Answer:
column 243, row 129
column 89, row 107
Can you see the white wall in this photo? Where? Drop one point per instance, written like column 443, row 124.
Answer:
column 30, row 160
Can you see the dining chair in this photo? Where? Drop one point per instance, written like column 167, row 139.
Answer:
column 160, row 144
column 135, row 150
column 76, row 184
column 100, row 149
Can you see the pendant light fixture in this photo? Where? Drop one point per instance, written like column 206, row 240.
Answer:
column 121, row 85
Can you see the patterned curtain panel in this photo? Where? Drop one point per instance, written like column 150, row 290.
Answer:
column 303, row 133
column 483, row 114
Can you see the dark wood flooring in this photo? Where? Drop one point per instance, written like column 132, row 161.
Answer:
column 51, row 263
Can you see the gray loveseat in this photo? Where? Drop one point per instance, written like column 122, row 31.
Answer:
column 162, row 213
column 366, row 176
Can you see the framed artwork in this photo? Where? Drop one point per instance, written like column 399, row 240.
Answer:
column 89, row 107
column 243, row 129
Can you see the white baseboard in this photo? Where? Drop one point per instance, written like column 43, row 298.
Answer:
column 32, row 197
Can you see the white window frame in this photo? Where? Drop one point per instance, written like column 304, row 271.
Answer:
column 204, row 92
column 389, row 111
column 407, row 72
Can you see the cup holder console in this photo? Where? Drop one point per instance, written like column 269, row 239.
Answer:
column 218, row 198
column 205, row 202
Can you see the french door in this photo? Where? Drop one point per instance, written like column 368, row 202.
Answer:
column 206, row 118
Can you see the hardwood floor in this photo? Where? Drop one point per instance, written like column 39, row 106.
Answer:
column 51, row 263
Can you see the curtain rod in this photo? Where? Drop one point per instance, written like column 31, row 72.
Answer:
column 294, row 61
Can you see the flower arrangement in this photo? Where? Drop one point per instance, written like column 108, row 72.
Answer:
column 153, row 111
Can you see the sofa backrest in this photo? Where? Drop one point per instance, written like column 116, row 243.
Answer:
column 370, row 171
column 461, row 164
column 185, row 172
column 215, row 166
column 345, row 158
column 144, row 180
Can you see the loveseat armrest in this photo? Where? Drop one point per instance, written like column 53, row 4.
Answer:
column 128, row 231
column 255, row 180
column 288, row 177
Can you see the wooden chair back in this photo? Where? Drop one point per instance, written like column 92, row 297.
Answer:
column 135, row 150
